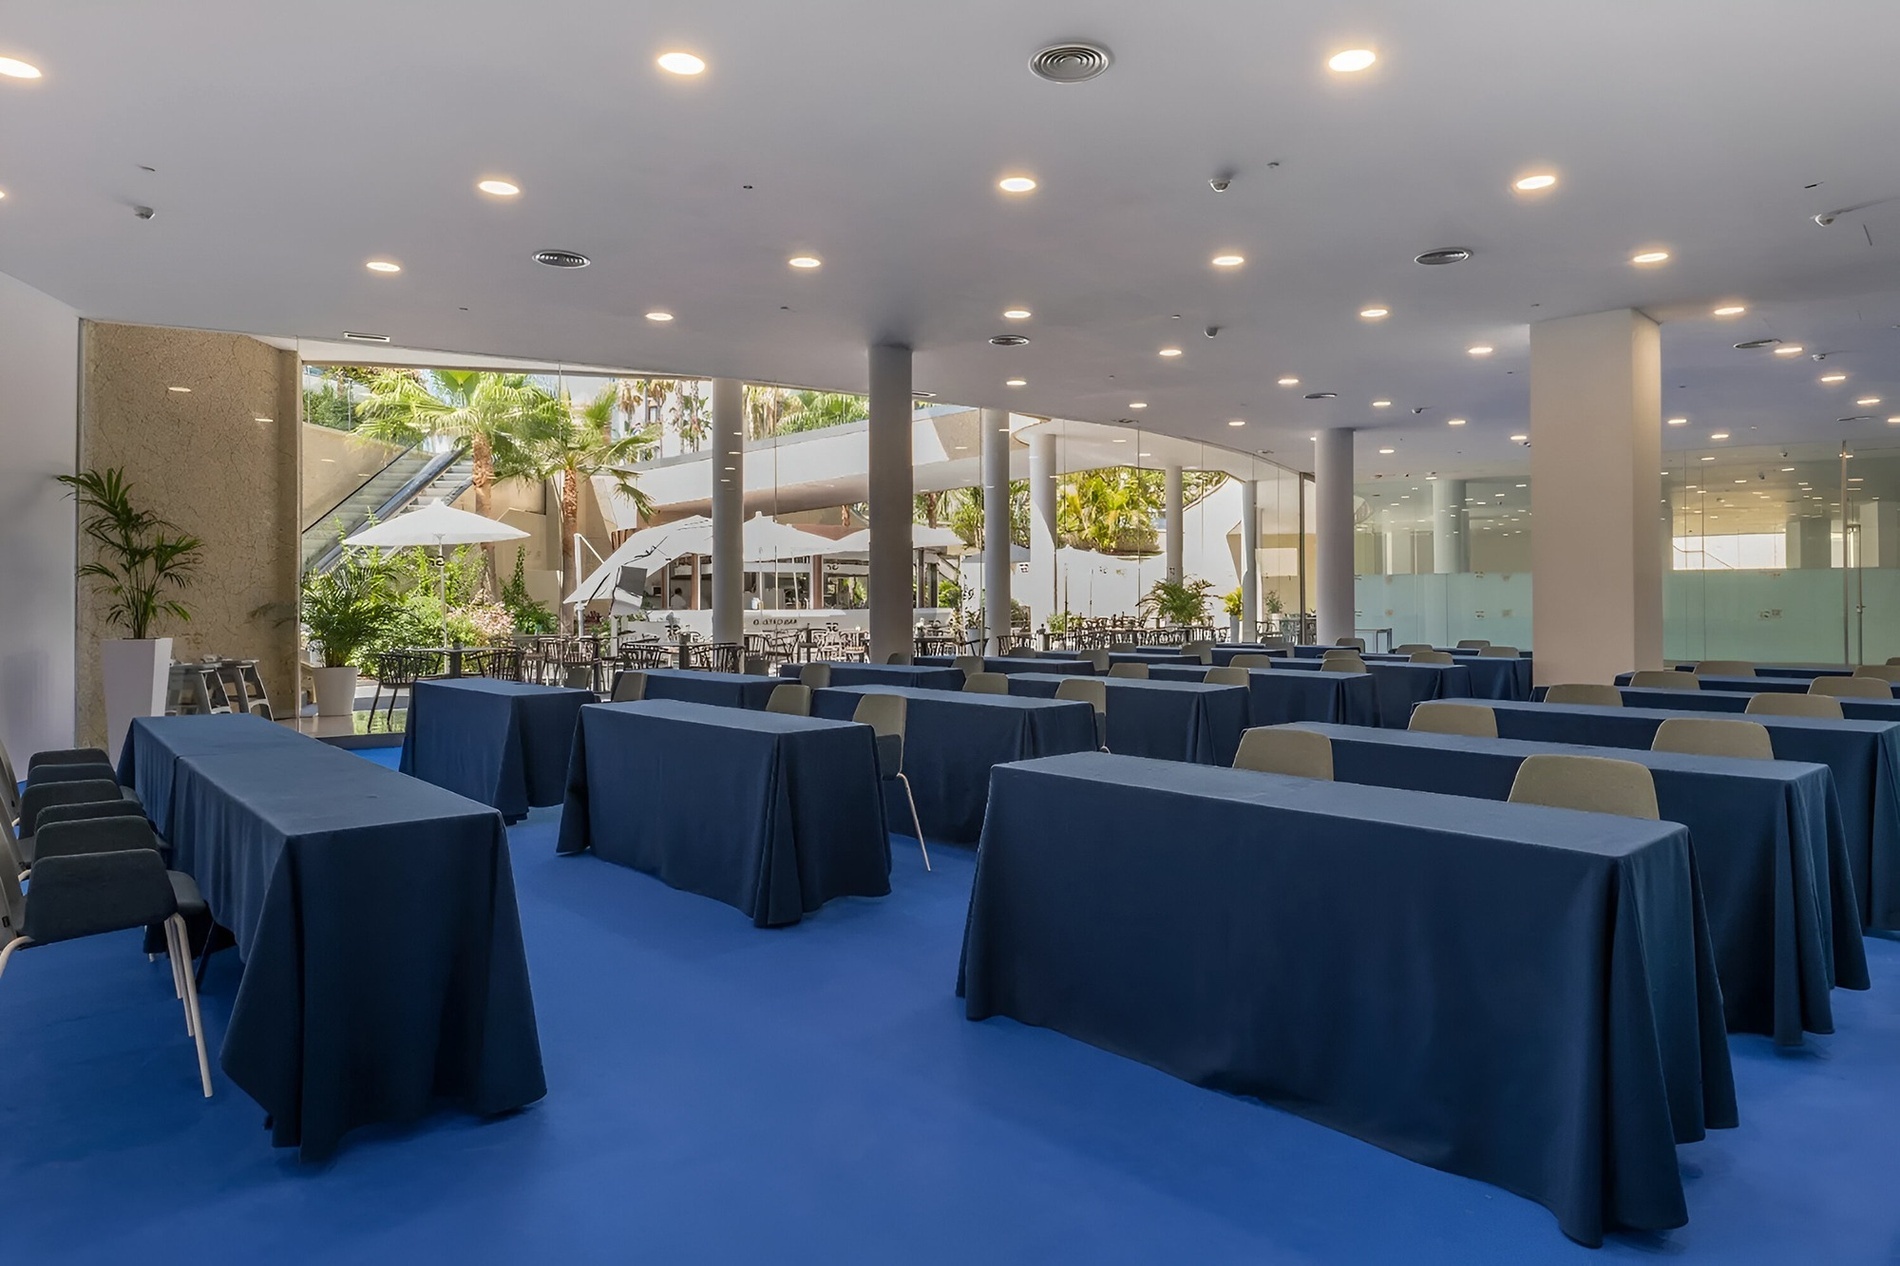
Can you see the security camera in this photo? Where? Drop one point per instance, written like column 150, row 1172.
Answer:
column 1784, row 454
column 1219, row 184
column 1826, row 218
column 1761, row 474
column 1211, row 331
column 144, row 213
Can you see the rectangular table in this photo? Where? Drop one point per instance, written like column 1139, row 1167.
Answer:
column 1151, row 657
column 1733, row 702
column 770, row 813
column 1864, row 755
column 1745, row 685
column 1520, row 995
column 1275, row 698
column 1768, row 844
column 918, row 675
column 375, row 916
column 500, row 742
column 1402, row 686
column 953, row 740
column 720, row 690
column 1224, row 652
column 1492, row 676
column 1016, row 664
column 1165, row 720
column 1778, row 670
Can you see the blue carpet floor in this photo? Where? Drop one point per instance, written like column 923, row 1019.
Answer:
column 719, row 1093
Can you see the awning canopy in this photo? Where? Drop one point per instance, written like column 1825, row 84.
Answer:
column 765, row 540
column 435, row 524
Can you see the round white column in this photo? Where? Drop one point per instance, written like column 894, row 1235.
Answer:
column 892, row 610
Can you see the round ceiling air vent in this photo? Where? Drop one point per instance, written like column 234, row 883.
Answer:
column 562, row 259
column 1322, row 395
column 1754, row 343
column 1010, row 340
column 1071, row 63
column 1449, row 255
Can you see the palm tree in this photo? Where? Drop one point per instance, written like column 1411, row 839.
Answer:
column 691, row 416
column 1112, row 510
column 580, row 445
column 481, row 410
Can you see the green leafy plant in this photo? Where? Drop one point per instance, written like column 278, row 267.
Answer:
column 141, row 558
column 1059, row 622
column 1178, row 601
column 1273, row 604
column 1233, row 604
column 529, row 615
column 347, row 607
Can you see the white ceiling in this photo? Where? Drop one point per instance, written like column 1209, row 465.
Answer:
column 293, row 143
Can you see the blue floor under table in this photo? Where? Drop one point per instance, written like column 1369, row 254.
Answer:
column 718, row 1093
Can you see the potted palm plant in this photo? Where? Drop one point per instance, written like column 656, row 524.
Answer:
column 344, row 610
column 140, row 563
column 1178, row 602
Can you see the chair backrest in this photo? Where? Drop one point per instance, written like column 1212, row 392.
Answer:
column 9, row 788
column 1596, row 784
column 1278, row 749
column 1473, row 720
column 897, row 657
column 1594, row 694
column 50, row 793
column 986, row 684
column 1498, row 652
column 98, row 835
column 1664, row 679
column 1228, row 676
column 1021, row 650
column 1090, row 690
column 630, row 686
column 817, row 676
column 1432, row 657
column 1097, row 657
column 1203, row 651
column 1351, row 643
column 1120, row 648
column 1341, row 662
column 1881, row 672
column 970, row 664
column 792, row 698
column 1250, row 660
column 1851, row 687
column 1714, row 736
column 1894, row 661
column 883, row 713
column 1413, row 648
column 1725, row 668
column 1775, row 704
column 67, row 756
column 1139, row 671
column 1473, row 644
column 90, row 810
column 71, row 773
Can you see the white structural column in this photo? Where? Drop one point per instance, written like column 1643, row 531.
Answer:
column 1451, row 542
column 893, row 614
column 1332, row 545
column 1249, row 560
column 1596, row 489
column 1042, row 526
column 728, row 511
column 996, row 568
column 1173, row 526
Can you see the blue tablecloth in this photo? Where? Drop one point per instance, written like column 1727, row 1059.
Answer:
column 1730, row 701
column 952, row 740
column 375, row 916
column 1016, row 664
column 1768, row 843
column 1151, row 657
column 1402, row 686
column 1777, row 670
column 720, row 690
column 500, row 742
column 1492, row 676
column 918, row 675
column 1164, row 720
column 1276, row 698
column 1224, row 652
column 1864, row 755
column 1521, row 995
column 771, row 813
column 1744, row 685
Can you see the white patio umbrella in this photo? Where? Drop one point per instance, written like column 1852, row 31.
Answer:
column 922, row 536
column 439, row 525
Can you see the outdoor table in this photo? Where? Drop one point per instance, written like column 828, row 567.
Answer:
column 1733, row 702
column 375, row 917
column 1016, row 664
column 500, row 742
column 1275, row 697
column 1864, row 755
column 770, row 813
column 919, row 675
column 953, row 739
column 723, row 690
column 1165, row 720
column 1521, row 995
column 1768, row 844
column 1402, row 686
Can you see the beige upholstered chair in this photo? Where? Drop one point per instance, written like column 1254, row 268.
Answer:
column 816, row 676
column 1473, row 644
column 970, row 664
column 1097, row 657
column 1888, row 673
column 897, row 657
column 1094, row 692
column 1851, row 687
column 1137, row 671
column 1714, row 736
column 1351, row 643
column 630, row 687
column 791, row 698
column 1820, row 707
column 1341, row 662
column 1593, row 783
column 1588, row 693
column 1498, row 652
column 1473, row 720
column 1121, row 648
column 1203, row 651
column 1022, row 650
column 1250, row 660
column 986, row 684
column 1664, row 679
column 1280, row 749
column 887, row 715
column 1228, row 676
column 1895, row 661
column 1725, row 668
column 1432, row 657
column 1413, row 648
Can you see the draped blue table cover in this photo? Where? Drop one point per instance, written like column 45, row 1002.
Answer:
column 919, row 675
column 1521, row 995
column 952, row 740
column 1744, row 685
column 1276, row 698
column 1768, row 842
column 1041, row 663
column 1152, row 657
column 500, row 742
column 1402, row 687
column 374, row 913
column 1864, row 755
column 720, row 690
column 770, row 813
column 1164, row 720
column 1731, row 701
column 1224, row 652
column 1778, row 670
column 1492, row 676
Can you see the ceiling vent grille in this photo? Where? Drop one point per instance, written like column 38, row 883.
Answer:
column 1449, row 255
column 1071, row 63
column 355, row 337
column 562, row 259
column 1754, row 343
column 1010, row 340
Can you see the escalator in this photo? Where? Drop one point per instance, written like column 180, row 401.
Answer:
column 415, row 474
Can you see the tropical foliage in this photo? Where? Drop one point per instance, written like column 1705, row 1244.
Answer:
column 781, row 411
column 482, row 410
column 1178, row 601
column 141, row 561
column 529, row 614
column 346, row 607
column 418, row 614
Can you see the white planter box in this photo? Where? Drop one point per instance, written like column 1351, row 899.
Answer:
column 134, row 674
column 336, row 691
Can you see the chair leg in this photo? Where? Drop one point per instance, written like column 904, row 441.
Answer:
column 7, row 952
column 193, row 1017
column 171, row 959
column 375, row 701
column 914, row 820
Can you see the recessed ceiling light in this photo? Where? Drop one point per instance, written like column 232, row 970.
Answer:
column 1786, row 469
column 14, row 68
column 1289, row 381
column 1016, row 382
column 1893, row 421
column 1016, row 184
column 1793, row 349
column 1649, row 257
column 1016, row 314
column 3, row 193
column 1144, row 454
column 1867, row 400
column 1374, row 314
column 1718, row 435
column 260, row 419
column 183, row 391
column 1454, row 421
column 804, row 261
column 1387, row 452
column 1229, row 261
column 659, row 316
column 1678, row 421
column 1351, row 60
column 1480, row 350
column 1238, row 422
column 1733, row 309
column 681, row 63
column 1518, row 439
column 1119, row 441
column 1170, row 351
column 1382, row 404
column 1708, row 459
column 1137, row 404
column 1523, row 485
column 383, row 266
column 499, row 188
column 1833, row 377
column 1531, row 184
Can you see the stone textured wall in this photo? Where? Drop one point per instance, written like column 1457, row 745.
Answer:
column 221, row 462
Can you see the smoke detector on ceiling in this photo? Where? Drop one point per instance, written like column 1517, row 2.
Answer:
column 1072, row 62
column 562, row 259
column 1010, row 340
